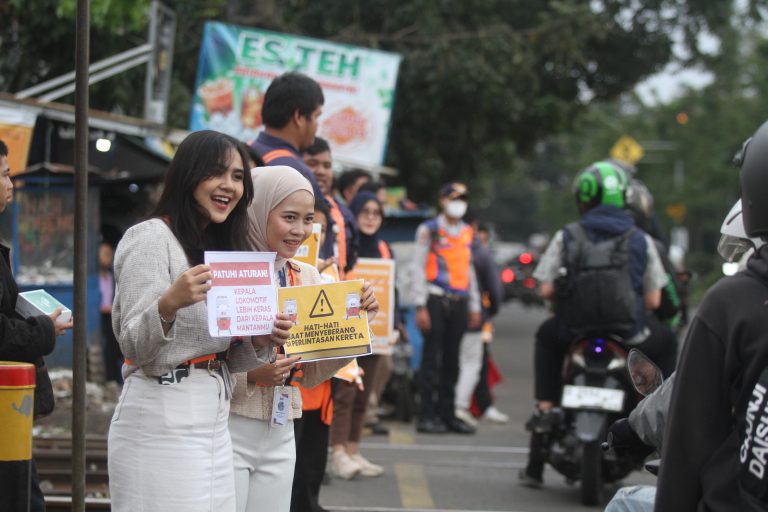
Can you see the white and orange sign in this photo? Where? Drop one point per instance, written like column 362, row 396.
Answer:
column 381, row 274
column 242, row 300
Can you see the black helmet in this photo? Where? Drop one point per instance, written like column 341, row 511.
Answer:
column 754, row 183
column 640, row 203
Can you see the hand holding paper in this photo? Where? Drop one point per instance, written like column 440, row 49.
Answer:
column 189, row 288
column 273, row 374
column 368, row 301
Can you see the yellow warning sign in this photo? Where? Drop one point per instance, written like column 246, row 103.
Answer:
column 627, row 149
column 328, row 320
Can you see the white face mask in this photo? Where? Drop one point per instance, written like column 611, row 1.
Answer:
column 456, row 208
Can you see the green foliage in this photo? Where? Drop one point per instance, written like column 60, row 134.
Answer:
column 512, row 96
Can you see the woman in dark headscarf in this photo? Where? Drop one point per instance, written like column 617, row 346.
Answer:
column 350, row 402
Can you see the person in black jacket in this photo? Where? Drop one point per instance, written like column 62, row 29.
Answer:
column 716, row 441
column 23, row 341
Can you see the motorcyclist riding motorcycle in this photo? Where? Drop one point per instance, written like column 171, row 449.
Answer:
column 714, row 455
column 600, row 196
column 643, row 431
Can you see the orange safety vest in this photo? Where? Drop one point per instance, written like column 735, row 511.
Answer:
column 318, row 397
column 341, row 235
column 386, row 254
column 449, row 259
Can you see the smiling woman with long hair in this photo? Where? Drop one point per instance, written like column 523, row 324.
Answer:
column 169, row 445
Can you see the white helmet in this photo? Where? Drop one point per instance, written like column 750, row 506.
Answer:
column 734, row 241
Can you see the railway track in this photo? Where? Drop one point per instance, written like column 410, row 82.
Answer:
column 53, row 456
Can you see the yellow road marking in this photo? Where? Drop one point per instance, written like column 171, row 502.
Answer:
column 400, row 436
column 413, row 485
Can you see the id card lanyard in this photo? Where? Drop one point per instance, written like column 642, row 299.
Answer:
column 282, row 397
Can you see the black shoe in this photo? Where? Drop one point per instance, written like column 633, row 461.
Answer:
column 532, row 481
column 544, row 422
column 379, row 429
column 459, row 426
column 431, row 426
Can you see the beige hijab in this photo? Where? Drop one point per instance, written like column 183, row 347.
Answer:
column 270, row 186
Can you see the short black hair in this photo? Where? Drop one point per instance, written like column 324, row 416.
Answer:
column 320, row 145
column 321, row 206
column 372, row 186
column 200, row 156
column 3, row 149
column 288, row 93
column 348, row 178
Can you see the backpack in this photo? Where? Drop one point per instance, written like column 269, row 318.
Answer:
column 595, row 295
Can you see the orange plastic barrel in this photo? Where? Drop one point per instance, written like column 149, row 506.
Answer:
column 17, row 395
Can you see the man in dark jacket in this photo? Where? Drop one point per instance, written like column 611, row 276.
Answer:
column 600, row 192
column 292, row 105
column 716, row 441
column 23, row 341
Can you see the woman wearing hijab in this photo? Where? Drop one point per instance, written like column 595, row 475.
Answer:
column 169, row 446
column 280, row 219
column 349, row 401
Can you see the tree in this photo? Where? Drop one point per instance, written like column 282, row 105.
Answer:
column 480, row 83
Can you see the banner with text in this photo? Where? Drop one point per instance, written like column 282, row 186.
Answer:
column 381, row 274
column 242, row 300
column 328, row 320
column 237, row 64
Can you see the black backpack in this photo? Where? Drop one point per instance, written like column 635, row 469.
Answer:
column 594, row 293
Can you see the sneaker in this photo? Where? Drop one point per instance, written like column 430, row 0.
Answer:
column 466, row 416
column 458, row 426
column 527, row 480
column 368, row 468
column 343, row 466
column 494, row 415
column 431, row 426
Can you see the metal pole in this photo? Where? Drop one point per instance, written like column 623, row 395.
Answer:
column 81, row 256
column 144, row 49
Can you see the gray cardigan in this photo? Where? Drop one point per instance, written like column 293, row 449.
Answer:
column 148, row 260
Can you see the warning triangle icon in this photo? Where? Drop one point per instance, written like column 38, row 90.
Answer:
column 322, row 306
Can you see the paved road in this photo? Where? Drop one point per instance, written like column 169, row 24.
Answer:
column 466, row 473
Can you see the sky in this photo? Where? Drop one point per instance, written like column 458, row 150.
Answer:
column 665, row 86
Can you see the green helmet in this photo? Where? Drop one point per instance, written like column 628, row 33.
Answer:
column 601, row 183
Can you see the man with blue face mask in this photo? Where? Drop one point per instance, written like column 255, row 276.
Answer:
column 447, row 299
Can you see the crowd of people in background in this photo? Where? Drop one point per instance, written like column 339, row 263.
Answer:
column 196, row 424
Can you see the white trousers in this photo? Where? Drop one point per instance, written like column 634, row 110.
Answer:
column 169, row 446
column 265, row 458
column 470, row 364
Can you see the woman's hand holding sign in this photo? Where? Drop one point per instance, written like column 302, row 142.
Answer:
column 368, row 301
column 273, row 374
column 281, row 331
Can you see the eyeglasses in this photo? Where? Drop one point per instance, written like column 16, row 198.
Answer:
column 370, row 213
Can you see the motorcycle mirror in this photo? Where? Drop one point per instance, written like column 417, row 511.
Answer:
column 646, row 376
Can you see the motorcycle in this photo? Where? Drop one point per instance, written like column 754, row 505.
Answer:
column 597, row 391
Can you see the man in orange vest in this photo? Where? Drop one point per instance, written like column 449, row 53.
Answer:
column 292, row 105
column 445, row 292
column 343, row 238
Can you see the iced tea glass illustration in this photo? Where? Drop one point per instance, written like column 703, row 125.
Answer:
column 250, row 108
column 217, row 95
column 353, row 305
column 223, row 316
column 290, row 308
